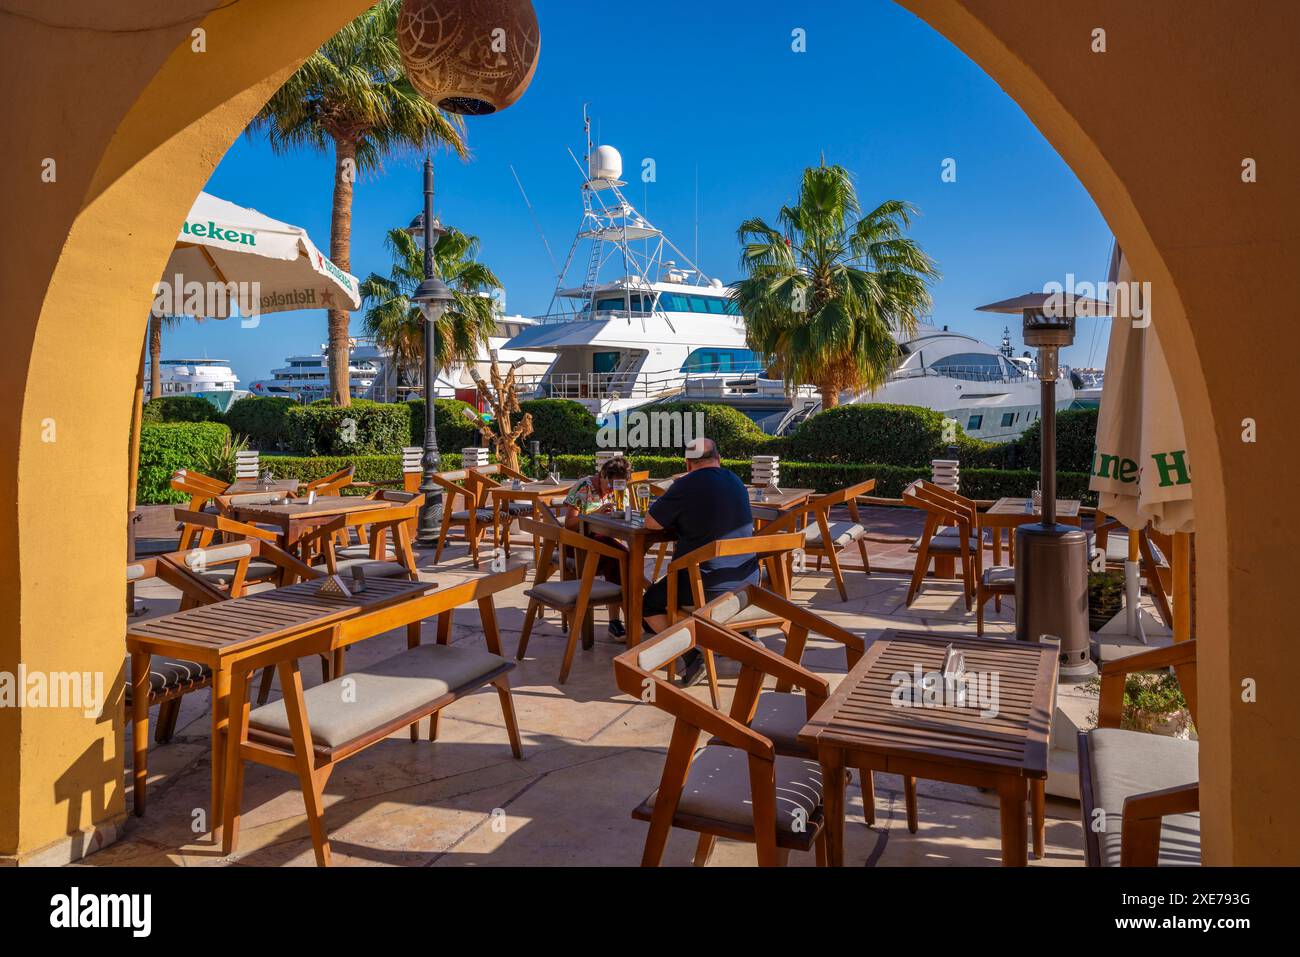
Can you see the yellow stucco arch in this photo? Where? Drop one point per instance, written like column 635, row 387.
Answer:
column 136, row 119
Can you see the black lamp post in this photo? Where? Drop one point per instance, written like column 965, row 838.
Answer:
column 432, row 297
column 1052, row 559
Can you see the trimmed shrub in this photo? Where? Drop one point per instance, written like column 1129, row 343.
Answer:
column 376, row 428
column 180, row 408
column 889, row 434
column 168, row 446
column 369, row 468
column 455, row 432
column 263, row 419
column 561, row 426
column 1076, row 438
column 737, row 435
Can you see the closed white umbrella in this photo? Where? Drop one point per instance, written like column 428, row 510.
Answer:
column 1141, row 468
column 227, row 254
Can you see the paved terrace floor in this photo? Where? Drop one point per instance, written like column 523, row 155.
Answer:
column 591, row 754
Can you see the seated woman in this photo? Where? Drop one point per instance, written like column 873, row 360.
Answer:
column 594, row 494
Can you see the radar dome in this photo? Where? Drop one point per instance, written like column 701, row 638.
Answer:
column 605, row 163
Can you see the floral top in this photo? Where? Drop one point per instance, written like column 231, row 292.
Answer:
column 584, row 496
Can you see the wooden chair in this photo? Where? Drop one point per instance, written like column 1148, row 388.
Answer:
column 250, row 555
column 772, row 552
column 740, row 787
column 202, row 490
column 375, row 558
column 472, row 516
column 329, row 485
column 309, row 732
column 1112, row 536
column 488, row 478
column 780, row 714
column 397, row 498
column 825, row 537
column 952, row 531
column 170, row 678
column 994, row 582
column 574, row 598
column 1158, row 822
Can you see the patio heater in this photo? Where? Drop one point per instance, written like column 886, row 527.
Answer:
column 1052, row 559
column 432, row 297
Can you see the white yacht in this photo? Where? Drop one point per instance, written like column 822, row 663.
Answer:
column 640, row 336
column 306, row 378
column 211, row 379
column 991, row 393
column 458, row 383
column 1088, row 384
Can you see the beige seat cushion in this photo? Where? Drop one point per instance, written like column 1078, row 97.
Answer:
column 947, row 541
column 381, row 693
column 223, row 575
column 1000, row 578
column 371, row 568
column 1126, row 763
column 717, row 788
column 735, row 610
column 779, row 717
column 842, row 533
column 564, row 594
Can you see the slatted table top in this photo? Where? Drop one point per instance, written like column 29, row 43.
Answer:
column 324, row 506
column 1015, row 508
column 531, row 489
column 785, row 499
column 862, row 714
column 207, row 633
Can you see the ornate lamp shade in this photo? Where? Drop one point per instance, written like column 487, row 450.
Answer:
column 469, row 56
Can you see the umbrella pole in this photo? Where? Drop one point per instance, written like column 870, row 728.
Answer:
column 1180, row 568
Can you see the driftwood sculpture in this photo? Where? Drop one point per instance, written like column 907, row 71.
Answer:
column 502, row 398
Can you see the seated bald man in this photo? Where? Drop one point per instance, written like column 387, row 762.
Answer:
column 707, row 504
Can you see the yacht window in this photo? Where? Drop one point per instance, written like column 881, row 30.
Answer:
column 722, row 360
column 974, row 423
column 1007, row 419
column 976, row 366
column 713, row 305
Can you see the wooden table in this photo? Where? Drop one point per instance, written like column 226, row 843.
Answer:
column 220, row 635
column 638, row 539
column 535, row 492
column 859, row 726
column 296, row 517
column 769, row 506
column 1008, row 513
column 252, row 486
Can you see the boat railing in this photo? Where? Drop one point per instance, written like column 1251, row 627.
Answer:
column 601, row 315
column 602, row 385
column 966, row 373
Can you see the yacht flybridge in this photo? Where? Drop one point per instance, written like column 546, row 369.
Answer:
column 638, row 337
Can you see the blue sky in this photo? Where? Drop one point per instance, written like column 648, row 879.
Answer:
column 715, row 88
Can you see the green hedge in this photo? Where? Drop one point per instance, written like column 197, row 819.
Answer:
column 322, row 429
column 561, row 426
column 455, row 432
column 736, row 434
column 1076, row 438
column 181, row 408
column 168, row 446
column 263, row 419
column 902, row 435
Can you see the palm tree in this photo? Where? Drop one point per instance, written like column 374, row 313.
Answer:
column 157, row 323
column 353, row 94
column 826, row 292
column 397, row 324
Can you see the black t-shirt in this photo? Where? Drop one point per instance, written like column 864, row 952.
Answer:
column 702, row 507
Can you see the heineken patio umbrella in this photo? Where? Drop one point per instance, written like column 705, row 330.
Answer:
column 233, row 261
column 1141, row 468
column 227, row 256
